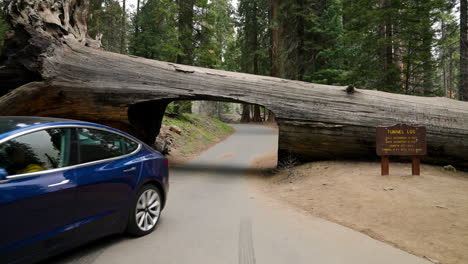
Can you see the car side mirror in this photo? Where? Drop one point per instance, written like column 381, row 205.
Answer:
column 3, row 174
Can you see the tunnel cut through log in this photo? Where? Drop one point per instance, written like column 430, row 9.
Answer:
column 145, row 118
column 51, row 67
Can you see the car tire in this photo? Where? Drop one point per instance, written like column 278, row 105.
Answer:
column 145, row 211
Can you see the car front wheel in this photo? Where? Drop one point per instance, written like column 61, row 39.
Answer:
column 145, row 212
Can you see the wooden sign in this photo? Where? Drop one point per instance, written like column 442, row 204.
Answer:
column 401, row 140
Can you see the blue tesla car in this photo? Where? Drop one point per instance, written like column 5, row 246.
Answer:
column 64, row 183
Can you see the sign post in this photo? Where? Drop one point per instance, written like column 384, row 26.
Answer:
column 385, row 165
column 401, row 140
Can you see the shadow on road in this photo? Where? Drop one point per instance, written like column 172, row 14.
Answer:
column 88, row 253
column 269, row 131
column 209, row 169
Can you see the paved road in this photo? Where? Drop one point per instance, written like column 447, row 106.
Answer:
column 214, row 216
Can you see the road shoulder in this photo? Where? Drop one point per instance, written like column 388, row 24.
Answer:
column 426, row 216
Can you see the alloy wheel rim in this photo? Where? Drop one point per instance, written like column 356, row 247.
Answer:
column 148, row 210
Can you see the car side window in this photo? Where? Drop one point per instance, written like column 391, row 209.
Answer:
column 97, row 145
column 36, row 151
column 130, row 145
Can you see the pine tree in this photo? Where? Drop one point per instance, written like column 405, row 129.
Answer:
column 447, row 52
column 123, row 31
column 214, row 28
column 185, row 30
column 105, row 17
column 401, row 33
column 276, row 69
column 157, row 36
column 253, row 38
column 307, row 40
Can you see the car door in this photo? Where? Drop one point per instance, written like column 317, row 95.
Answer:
column 106, row 179
column 36, row 200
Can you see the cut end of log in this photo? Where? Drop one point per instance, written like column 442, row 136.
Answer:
column 53, row 19
column 38, row 27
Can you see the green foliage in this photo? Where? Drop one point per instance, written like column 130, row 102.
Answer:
column 105, row 17
column 311, row 37
column 329, row 76
column 447, row 52
column 180, row 107
column 155, row 36
column 389, row 44
column 214, row 28
column 253, row 37
column 232, row 55
column 401, row 46
column 197, row 131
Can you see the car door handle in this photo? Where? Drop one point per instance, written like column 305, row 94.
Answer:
column 60, row 183
column 131, row 169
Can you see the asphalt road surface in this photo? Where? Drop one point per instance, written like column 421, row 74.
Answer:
column 215, row 216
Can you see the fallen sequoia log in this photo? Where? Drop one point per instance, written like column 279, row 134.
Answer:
column 50, row 67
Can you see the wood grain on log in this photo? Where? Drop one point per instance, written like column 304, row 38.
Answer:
column 315, row 121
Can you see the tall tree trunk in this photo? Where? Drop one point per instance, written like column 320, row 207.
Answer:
column 185, row 23
column 257, row 117
column 389, row 61
column 255, row 38
column 408, row 65
column 185, row 27
column 263, row 113
column 245, row 118
column 123, row 31
column 450, row 78
column 275, row 39
column 427, row 38
column 387, row 53
column 271, row 117
column 444, row 58
column 463, row 87
column 256, row 109
column 427, row 67
column 276, row 69
column 137, row 25
column 299, row 75
column 219, row 109
column 137, row 17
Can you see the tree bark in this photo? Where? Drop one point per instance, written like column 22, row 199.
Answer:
column 463, row 88
column 451, row 76
column 137, row 19
column 123, row 29
column 271, row 117
column 275, row 41
column 67, row 78
column 257, row 117
column 300, row 50
column 254, row 38
column 245, row 117
column 276, row 69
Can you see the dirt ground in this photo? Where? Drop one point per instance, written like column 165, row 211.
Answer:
column 425, row 215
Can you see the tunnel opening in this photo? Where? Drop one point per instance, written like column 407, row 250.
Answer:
column 152, row 121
